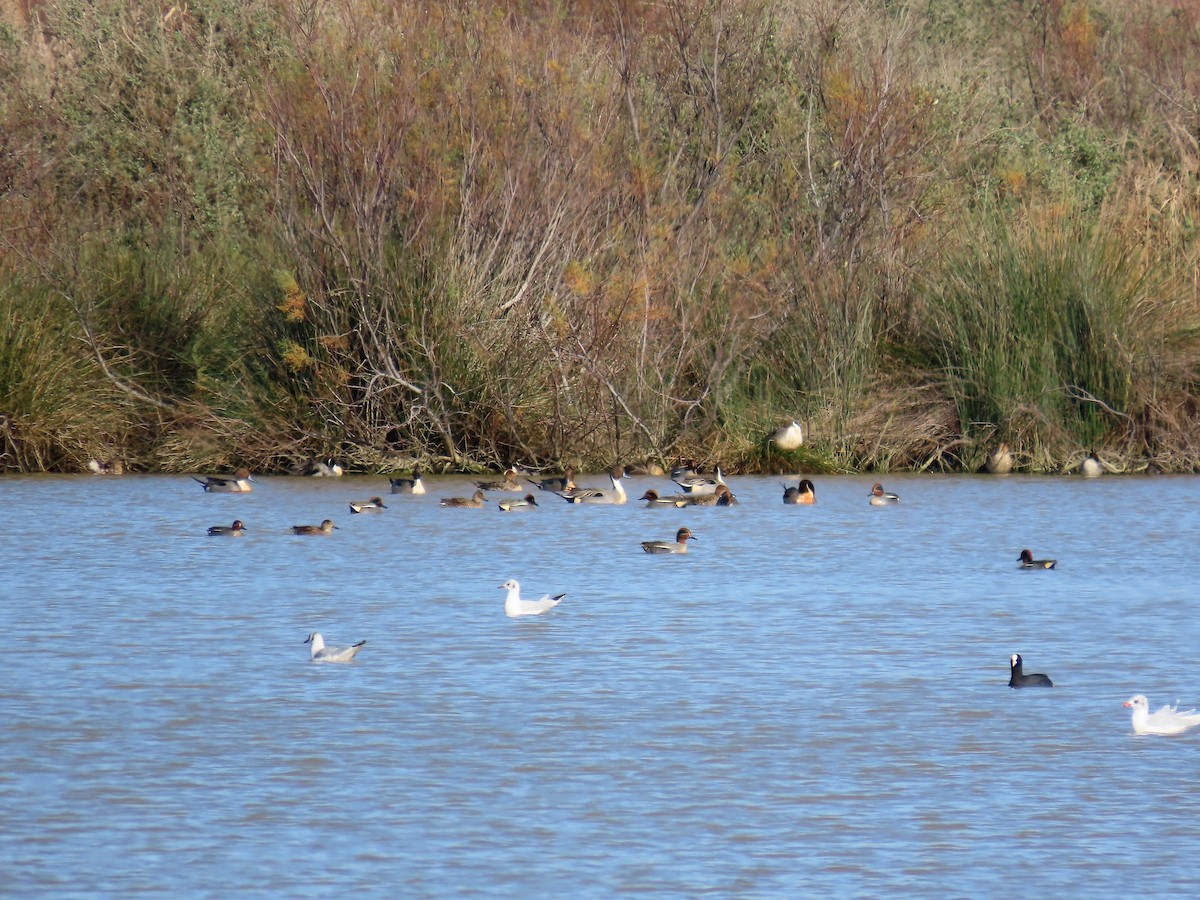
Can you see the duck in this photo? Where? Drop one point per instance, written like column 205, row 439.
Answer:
column 319, row 653
column 514, row 606
column 1167, row 720
column 475, row 501
column 234, row 530
column 556, row 483
column 788, row 437
column 317, row 469
column 375, row 504
column 1028, row 562
column 600, row 495
column 326, row 527
column 238, row 484
column 880, row 497
column 508, row 484
column 114, row 466
column 722, row 496
column 804, row 493
column 679, row 545
column 516, row 505
column 654, row 501
column 412, row 485
column 999, row 461
column 1018, row 678
column 685, row 470
column 700, row 484
column 1091, row 467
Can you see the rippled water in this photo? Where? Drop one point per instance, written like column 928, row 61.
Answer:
column 812, row 701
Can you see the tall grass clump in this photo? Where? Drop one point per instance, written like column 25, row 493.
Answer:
column 1048, row 334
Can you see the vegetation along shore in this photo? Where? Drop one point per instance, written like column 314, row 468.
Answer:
column 465, row 234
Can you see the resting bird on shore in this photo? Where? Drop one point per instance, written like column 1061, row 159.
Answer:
column 318, row 652
column 788, row 438
column 1018, row 678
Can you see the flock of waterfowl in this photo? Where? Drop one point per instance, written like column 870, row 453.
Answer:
column 694, row 489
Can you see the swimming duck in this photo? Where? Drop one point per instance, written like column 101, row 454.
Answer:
column 475, row 501
column 700, row 484
column 375, row 504
column 685, row 470
column 1028, row 562
column 654, row 501
column 326, row 527
column 514, row 606
column 1018, row 678
column 515, row 505
column 318, row 652
column 1167, row 720
column 564, row 482
column 722, row 496
column 679, row 545
column 600, row 495
column 880, row 497
column 788, row 438
column 412, row 485
column 804, row 493
column 508, row 484
column 238, row 484
column 234, row 530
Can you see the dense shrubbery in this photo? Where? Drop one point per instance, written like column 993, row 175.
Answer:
column 479, row 232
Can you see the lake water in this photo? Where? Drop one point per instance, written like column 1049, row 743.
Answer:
column 812, row 702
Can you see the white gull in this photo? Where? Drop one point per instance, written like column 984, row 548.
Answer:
column 1167, row 720
column 320, row 653
column 514, row 606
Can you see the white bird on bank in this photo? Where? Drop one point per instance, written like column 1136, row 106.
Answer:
column 318, row 652
column 514, row 606
column 1168, row 720
column 788, row 438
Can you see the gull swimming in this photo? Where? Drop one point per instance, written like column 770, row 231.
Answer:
column 318, row 652
column 1167, row 720
column 1018, row 678
column 514, row 606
